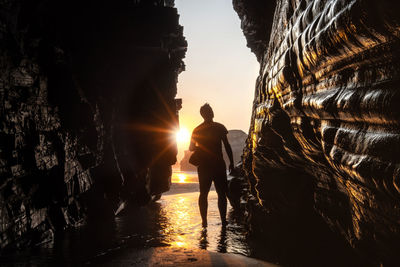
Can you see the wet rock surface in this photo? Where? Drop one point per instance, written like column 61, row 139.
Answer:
column 86, row 89
column 325, row 129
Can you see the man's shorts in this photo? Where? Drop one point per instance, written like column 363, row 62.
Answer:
column 215, row 171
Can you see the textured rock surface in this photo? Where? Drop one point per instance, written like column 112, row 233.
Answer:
column 325, row 130
column 85, row 90
column 237, row 139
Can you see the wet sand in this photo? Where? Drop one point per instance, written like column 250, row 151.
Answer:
column 181, row 257
column 167, row 232
column 183, row 240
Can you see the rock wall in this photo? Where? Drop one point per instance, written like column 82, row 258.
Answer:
column 87, row 109
column 325, row 128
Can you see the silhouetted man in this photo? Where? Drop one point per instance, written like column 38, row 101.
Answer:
column 206, row 141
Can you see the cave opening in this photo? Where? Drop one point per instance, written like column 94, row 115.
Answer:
column 220, row 70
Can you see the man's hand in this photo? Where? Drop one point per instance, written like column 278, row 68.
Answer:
column 229, row 153
column 231, row 168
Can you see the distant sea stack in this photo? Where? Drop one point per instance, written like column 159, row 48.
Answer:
column 185, row 165
column 237, row 139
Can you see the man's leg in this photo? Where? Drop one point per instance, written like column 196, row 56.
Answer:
column 205, row 184
column 221, row 186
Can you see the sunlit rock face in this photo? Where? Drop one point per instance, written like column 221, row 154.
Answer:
column 87, row 110
column 325, row 129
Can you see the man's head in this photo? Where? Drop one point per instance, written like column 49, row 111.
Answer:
column 206, row 112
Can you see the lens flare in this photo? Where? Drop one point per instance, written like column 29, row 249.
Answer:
column 182, row 136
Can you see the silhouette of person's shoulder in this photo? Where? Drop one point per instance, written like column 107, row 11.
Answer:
column 211, row 125
column 210, row 130
column 220, row 127
column 199, row 127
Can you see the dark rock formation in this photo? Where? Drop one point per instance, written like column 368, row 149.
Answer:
column 325, row 130
column 184, row 164
column 87, row 109
column 237, row 139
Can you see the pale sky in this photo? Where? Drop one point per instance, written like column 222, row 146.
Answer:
column 220, row 69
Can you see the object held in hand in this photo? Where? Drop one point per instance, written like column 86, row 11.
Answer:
column 195, row 158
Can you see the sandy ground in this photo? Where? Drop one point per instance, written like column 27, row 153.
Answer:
column 173, row 256
column 164, row 233
column 182, row 219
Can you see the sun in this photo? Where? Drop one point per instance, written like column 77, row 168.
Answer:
column 182, row 178
column 179, row 178
column 182, row 136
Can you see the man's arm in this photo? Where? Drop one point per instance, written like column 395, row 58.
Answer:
column 192, row 146
column 229, row 152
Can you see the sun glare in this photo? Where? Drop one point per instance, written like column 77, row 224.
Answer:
column 182, row 136
column 182, row 178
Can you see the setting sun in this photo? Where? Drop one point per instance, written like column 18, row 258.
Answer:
column 182, row 136
column 182, row 178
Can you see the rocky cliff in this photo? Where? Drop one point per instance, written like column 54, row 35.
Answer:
column 184, row 164
column 325, row 129
column 237, row 140
column 87, row 109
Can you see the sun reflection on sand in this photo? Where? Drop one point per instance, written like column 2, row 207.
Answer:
column 180, row 216
column 182, row 228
